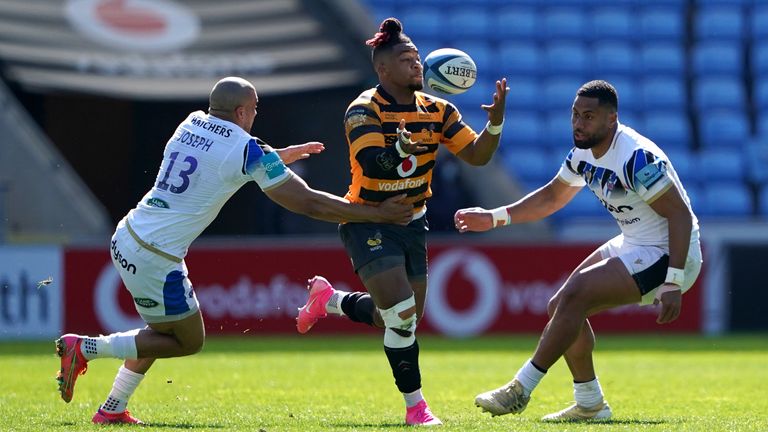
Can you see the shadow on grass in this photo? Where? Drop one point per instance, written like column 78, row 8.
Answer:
column 159, row 425
column 622, row 422
column 374, row 426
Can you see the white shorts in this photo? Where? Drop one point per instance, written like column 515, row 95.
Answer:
column 648, row 264
column 160, row 288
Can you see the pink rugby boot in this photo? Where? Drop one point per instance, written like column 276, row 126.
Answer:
column 73, row 364
column 421, row 415
column 320, row 291
column 103, row 417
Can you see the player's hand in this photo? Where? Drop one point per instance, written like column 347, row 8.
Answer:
column 671, row 303
column 293, row 153
column 473, row 219
column 396, row 210
column 496, row 109
column 404, row 137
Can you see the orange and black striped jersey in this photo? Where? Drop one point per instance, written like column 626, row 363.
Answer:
column 371, row 122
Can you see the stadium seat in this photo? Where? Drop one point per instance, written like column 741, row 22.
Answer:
column 479, row 94
column 470, row 22
column 517, row 23
column 519, row 58
column 719, row 23
column 762, row 123
column 559, row 93
column 614, row 58
column 423, row 22
column 380, row 11
column 727, row 199
column 564, row 23
column 630, row 118
column 724, row 164
column 760, row 94
column 475, row 118
column 719, row 129
column 717, row 58
column 614, row 23
column 566, row 58
column 668, row 129
column 756, row 155
column 558, row 133
column 682, row 160
column 526, row 94
column 524, row 129
column 759, row 17
column 667, row 23
column 719, row 92
column 530, row 165
column 666, row 58
column 759, row 58
column 584, row 205
column 662, row 92
column 629, row 97
column 763, row 201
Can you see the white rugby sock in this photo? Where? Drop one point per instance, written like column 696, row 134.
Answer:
column 125, row 384
column 413, row 398
column 334, row 303
column 588, row 394
column 116, row 345
column 529, row 376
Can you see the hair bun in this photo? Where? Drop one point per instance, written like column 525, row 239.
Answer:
column 391, row 26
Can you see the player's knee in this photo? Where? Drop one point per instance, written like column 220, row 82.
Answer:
column 400, row 324
column 572, row 294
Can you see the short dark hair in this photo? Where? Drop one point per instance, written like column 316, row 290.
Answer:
column 603, row 91
column 390, row 34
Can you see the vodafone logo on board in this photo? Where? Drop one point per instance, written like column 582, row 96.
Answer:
column 135, row 25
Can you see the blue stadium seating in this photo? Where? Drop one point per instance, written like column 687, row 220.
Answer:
column 683, row 163
column 724, row 128
column 613, row 23
column 756, row 155
column 724, row 164
column 583, row 205
column 614, row 58
column 662, row 92
column 631, row 118
column 759, row 58
column 559, row 93
column 525, row 93
column 719, row 23
column 666, row 23
column 519, row 58
column 629, row 96
column 481, row 52
column 422, row 22
column 517, row 23
column 763, row 201
column 717, row 58
column 668, row 129
column 523, row 129
column 530, row 165
column 760, row 93
column 469, row 22
column 719, row 92
column 666, row 58
column 762, row 123
column 566, row 58
column 759, row 17
column 564, row 23
column 558, row 133
column 727, row 199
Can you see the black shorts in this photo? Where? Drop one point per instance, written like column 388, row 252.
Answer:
column 367, row 243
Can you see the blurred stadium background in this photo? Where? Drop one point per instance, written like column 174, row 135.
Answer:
column 91, row 90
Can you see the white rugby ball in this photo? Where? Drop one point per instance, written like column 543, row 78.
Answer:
column 449, row 71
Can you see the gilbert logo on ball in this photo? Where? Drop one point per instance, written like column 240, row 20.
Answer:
column 449, row 71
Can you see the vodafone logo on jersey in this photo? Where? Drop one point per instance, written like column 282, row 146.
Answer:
column 135, row 25
column 407, row 167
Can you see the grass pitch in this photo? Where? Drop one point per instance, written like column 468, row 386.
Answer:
column 313, row 383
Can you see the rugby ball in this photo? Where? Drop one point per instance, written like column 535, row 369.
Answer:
column 449, row 71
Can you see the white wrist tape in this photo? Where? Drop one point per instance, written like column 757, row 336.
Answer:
column 675, row 276
column 500, row 217
column 494, row 130
column 401, row 139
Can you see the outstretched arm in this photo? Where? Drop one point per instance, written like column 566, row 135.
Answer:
column 536, row 205
column 295, row 195
column 482, row 149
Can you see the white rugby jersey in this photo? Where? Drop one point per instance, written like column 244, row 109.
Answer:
column 626, row 179
column 204, row 163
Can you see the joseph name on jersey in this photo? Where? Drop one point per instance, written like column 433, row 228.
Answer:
column 371, row 121
column 632, row 174
column 204, row 163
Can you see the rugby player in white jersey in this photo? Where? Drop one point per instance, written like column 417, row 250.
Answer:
column 655, row 259
column 208, row 158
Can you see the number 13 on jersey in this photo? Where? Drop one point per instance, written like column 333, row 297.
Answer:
column 183, row 174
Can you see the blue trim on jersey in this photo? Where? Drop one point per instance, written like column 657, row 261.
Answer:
column 253, row 154
column 174, row 298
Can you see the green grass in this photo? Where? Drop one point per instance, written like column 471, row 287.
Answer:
column 312, row 383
